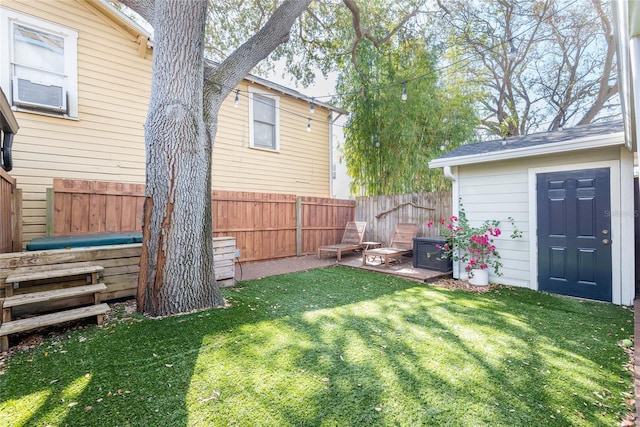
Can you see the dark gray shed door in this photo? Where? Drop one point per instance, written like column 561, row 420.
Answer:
column 574, row 233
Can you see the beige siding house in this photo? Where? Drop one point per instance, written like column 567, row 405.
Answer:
column 77, row 73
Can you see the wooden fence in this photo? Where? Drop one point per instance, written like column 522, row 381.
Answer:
column 322, row 221
column 81, row 207
column 10, row 214
column 382, row 213
column 266, row 226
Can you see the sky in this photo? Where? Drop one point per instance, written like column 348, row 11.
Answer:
column 320, row 88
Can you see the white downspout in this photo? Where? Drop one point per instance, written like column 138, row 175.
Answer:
column 451, row 173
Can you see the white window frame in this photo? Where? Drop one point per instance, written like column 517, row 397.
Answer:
column 276, row 98
column 7, row 19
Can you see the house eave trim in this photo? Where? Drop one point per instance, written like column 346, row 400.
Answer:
column 599, row 141
column 276, row 87
column 122, row 21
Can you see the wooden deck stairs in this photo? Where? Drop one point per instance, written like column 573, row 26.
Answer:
column 9, row 326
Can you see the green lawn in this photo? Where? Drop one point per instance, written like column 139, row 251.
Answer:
column 336, row 347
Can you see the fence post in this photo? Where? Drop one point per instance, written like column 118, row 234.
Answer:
column 50, row 212
column 16, row 217
column 298, row 226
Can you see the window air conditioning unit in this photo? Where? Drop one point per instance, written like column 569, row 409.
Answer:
column 40, row 96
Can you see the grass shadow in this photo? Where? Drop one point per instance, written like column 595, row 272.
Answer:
column 333, row 346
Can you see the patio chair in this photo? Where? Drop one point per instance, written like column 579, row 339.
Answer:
column 401, row 244
column 351, row 240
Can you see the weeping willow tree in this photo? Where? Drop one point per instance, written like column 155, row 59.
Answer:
column 389, row 140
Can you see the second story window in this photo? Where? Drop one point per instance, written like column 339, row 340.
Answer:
column 264, row 121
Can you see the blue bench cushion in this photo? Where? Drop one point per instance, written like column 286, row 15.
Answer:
column 83, row 240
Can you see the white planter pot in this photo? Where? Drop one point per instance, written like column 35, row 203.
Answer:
column 479, row 277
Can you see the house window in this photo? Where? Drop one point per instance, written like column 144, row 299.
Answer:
column 40, row 72
column 264, row 120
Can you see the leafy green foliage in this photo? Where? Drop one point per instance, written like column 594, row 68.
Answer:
column 534, row 65
column 320, row 41
column 336, row 346
column 389, row 141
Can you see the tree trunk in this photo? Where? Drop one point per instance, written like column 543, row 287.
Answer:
column 176, row 266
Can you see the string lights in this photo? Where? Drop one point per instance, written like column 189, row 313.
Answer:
column 237, row 100
column 312, row 107
column 309, row 124
column 404, row 90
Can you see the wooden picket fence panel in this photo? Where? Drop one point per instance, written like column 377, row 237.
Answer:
column 10, row 214
column 322, row 221
column 382, row 213
column 82, row 207
column 265, row 226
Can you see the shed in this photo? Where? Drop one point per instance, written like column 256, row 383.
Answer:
column 571, row 193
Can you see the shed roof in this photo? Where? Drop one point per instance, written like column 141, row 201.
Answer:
column 583, row 137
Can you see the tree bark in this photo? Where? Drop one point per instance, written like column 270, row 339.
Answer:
column 176, row 266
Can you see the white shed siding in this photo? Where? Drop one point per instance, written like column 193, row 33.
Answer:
column 497, row 190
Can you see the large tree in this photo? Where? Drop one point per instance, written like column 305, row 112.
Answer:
column 325, row 37
column 176, row 266
column 542, row 64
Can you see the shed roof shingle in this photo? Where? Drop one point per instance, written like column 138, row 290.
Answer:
column 536, row 139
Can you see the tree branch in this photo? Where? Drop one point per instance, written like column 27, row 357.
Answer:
column 238, row 64
column 365, row 33
column 144, row 8
column 605, row 91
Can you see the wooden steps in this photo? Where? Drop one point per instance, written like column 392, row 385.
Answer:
column 22, row 325
column 52, row 274
column 35, row 297
column 12, row 281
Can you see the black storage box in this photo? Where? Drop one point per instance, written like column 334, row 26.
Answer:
column 427, row 255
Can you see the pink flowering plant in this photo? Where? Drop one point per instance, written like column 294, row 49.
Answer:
column 472, row 246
